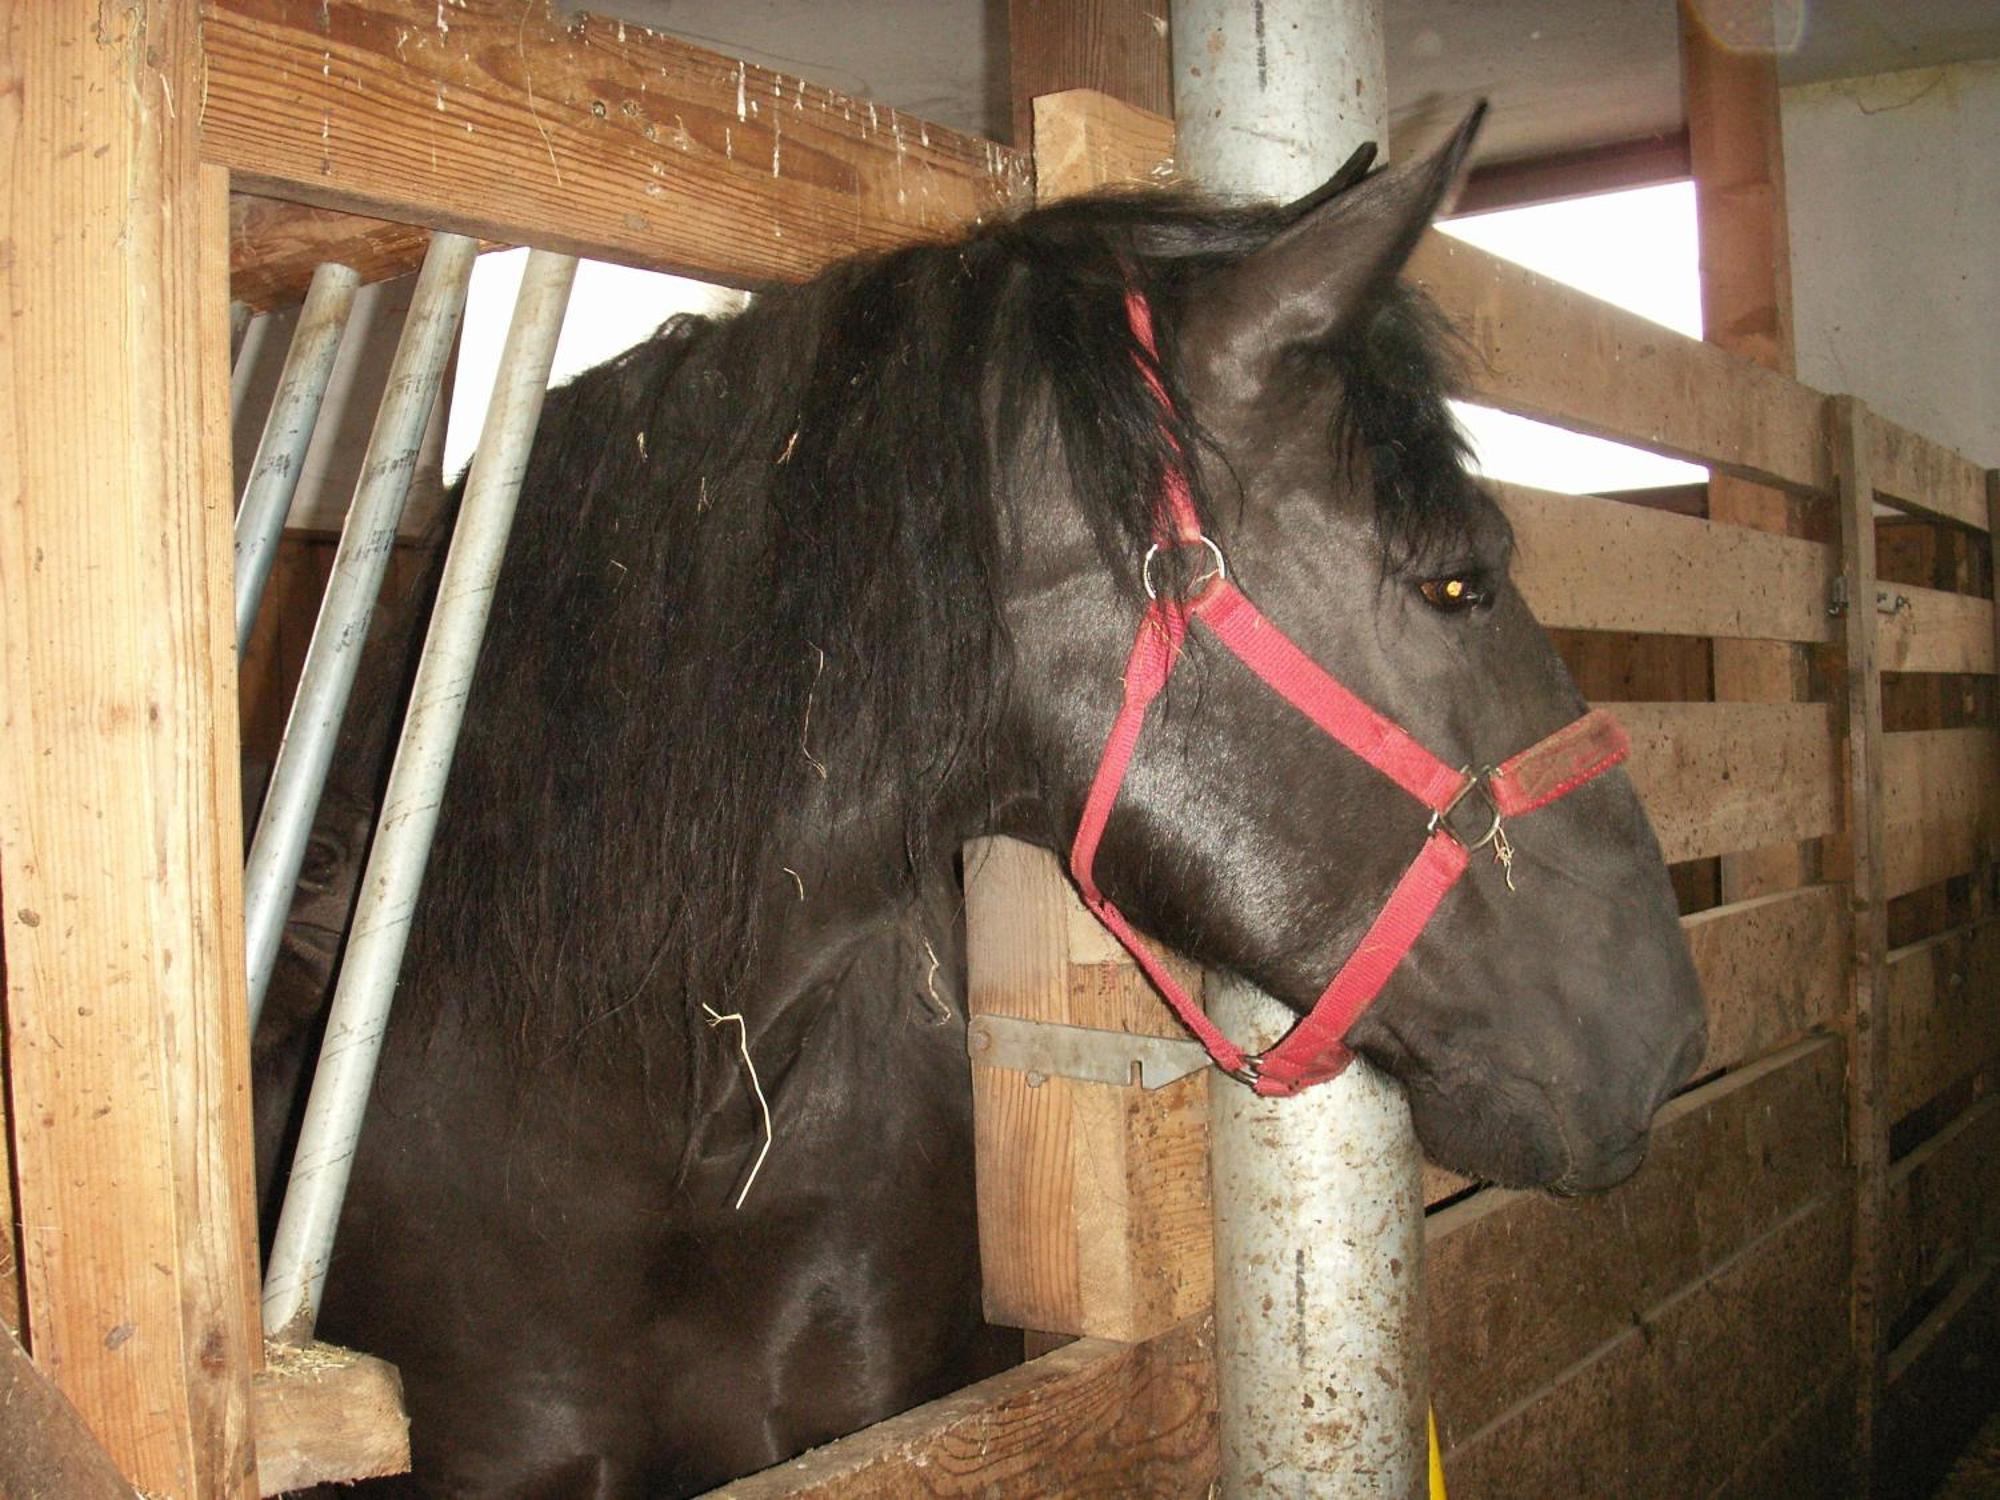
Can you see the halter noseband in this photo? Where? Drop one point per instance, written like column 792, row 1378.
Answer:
column 1314, row 1050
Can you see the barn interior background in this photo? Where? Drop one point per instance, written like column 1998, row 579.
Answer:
column 1800, row 1284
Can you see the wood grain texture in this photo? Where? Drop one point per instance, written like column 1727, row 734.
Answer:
column 119, row 848
column 1915, row 473
column 523, row 123
column 1807, row 1453
column 1718, row 777
column 275, row 246
column 1669, row 1405
column 1930, row 1406
column 47, row 1451
column 1091, row 1419
column 1944, row 1200
column 1935, row 776
column 1117, row 47
column 1930, row 630
column 1593, row 564
column 1550, row 353
column 1942, row 1007
column 1522, row 1286
column 327, row 1415
column 1772, row 968
column 1085, row 140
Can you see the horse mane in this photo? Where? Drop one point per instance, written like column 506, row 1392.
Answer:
column 764, row 552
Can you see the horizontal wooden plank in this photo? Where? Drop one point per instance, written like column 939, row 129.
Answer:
column 1944, row 1021
column 1942, row 775
column 1593, row 564
column 1913, row 472
column 1918, row 854
column 1720, row 777
column 1772, row 968
column 1092, row 1418
column 1550, row 353
column 1669, row 1406
column 326, row 1415
column 1929, row 630
column 529, row 123
column 1939, row 1387
column 275, row 246
column 1941, row 1197
column 1522, row 1285
column 1810, row 1453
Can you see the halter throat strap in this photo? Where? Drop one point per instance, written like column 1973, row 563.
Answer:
column 1468, row 809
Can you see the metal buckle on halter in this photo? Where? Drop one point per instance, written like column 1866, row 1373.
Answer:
column 1220, row 570
column 1247, row 1072
column 1496, row 831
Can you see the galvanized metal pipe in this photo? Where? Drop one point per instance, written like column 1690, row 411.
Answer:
column 366, row 539
column 359, row 1017
column 1318, row 1199
column 288, row 431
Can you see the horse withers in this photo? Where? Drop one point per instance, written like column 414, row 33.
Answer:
column 798, row 603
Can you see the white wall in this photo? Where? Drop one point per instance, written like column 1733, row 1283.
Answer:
column 1893, row 185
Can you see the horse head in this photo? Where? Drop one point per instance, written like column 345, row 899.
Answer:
column 1549, row 1005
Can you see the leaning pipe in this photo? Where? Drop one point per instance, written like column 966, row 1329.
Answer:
column 369, row 534
column 1320, row 1355
column 359, row 1016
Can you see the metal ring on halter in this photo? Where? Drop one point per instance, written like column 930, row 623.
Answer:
column 1221, row 569
column 1473, row 783
column 1248, row 1071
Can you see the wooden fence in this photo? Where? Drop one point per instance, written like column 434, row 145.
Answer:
column 1797, row 1271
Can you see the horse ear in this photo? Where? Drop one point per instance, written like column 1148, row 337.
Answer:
column 1342, row 249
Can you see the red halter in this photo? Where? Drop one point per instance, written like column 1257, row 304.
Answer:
column 1313, row 1051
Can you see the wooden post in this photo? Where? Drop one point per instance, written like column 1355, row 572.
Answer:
column 1868, row 1114
column 1736, row 149
column 119, row 847
column 1116, row 47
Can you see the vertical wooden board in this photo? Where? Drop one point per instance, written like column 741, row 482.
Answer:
column 1944, row 1198
column 1772, row 968
column 1669, row 1407
column 1718, row 777
column 1522, row 1286
column 125, row 1008
column 1941, row 1006
column 1085, row 140
column 1117, row 47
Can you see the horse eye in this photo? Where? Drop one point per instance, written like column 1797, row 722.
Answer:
column 1453, row 594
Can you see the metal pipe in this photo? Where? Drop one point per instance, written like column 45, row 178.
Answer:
column 366, row 539
column 359, row 1017
column 288, row 430
column 1320, row 1354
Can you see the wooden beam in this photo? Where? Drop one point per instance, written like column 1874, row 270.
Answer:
column 1591, row 564
column 1645, row 162
column 325, row 1416
column 46, row 1448
column 1929, row 630
column 1085, row 140
column 1939, row 1013
column 1117, row 48
column 127, row 1037
column 1942, row 1198
column 1772, row 968
column 525, row 123
column 275, row 246
column 1091, row 1418
column 1933, row 776
column 1547, row 352
column 1914, row 473
column 1717, row 777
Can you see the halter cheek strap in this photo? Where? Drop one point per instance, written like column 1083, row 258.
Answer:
column 1314, row 1050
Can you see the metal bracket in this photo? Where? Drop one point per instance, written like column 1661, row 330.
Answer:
column 1836, row 604
column 1050, row 1049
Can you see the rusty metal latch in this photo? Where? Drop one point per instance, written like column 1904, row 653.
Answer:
column 1050, row 1049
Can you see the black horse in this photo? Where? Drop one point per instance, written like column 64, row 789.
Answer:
column 798, row 603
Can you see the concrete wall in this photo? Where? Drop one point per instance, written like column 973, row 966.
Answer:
column 1894, row 189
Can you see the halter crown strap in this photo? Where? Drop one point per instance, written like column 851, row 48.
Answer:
column 1314, row 1050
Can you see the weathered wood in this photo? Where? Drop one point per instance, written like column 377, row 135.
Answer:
column 326, row 1415
column 1085, row 140
column 1117, row 47
column 127, row 1043
column 1930, row 1406
column 1091, row 1419
column 1933, row 776
column 1718, row 777
column 1593, row 564
column 1610, row 168
column 1807, row 1454
column 1668, row 1406
column 1944, row 1197
column 518, row 123
column 47, row 1452
column 275, row 246
column 1522, row 1286
column 1914, row 473
column 1550, row 353
column 1772, row 968
column 1929, row 630
column 1942, row 1018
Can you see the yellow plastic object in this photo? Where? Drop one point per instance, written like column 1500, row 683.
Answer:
column 1437, row 1459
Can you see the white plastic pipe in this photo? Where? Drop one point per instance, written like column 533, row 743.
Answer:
column 298, row 775
column 288, row 431
column 1320, row 1353
column 296, row 1276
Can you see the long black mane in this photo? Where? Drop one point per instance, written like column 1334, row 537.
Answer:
column 757, row 562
